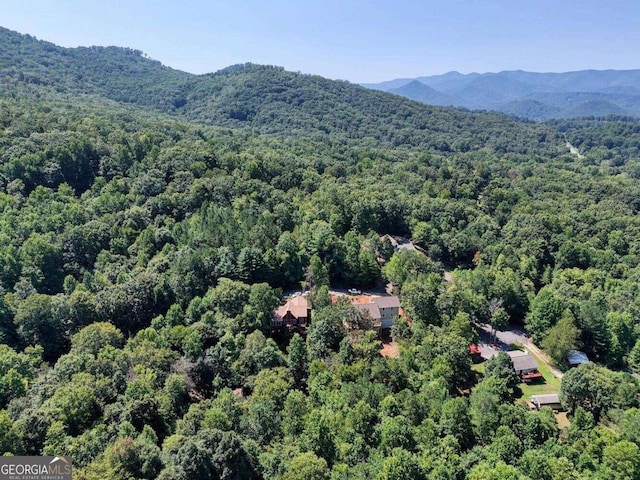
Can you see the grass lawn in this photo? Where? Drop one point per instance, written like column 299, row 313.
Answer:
column 478, row 367
column 550, row 384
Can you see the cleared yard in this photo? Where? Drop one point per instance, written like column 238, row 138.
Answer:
column 563, row 421
column 478, row 367
column 389, row 349
column 550, row 384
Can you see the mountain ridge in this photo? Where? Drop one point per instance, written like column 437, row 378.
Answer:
column 418, row 91
column 262, row 99
column 611, row 92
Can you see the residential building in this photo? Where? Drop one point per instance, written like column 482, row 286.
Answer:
column 551, row 400
column 389, row 307
column 372, row 311
column 295, row 314
column 380, row 309
column 525, row 365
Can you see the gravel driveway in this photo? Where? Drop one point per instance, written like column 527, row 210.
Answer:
column 507, row 338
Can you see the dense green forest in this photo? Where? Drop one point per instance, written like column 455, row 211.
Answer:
column 150, row 220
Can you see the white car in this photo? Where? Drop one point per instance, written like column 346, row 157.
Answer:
column 354, row 291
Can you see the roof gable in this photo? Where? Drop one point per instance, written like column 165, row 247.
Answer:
column 391, row 301
column 298, row 307
column 369, row 308
column 523, row 361
column 546, row 399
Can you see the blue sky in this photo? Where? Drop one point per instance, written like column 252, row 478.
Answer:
column 359, row 41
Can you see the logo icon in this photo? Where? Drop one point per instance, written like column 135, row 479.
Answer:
column 35, row 468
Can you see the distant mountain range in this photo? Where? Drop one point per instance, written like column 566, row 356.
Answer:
column 537, row 96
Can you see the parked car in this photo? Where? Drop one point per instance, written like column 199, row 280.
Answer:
column 354, row 291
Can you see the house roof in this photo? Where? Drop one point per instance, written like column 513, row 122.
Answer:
column 523, row 361
column 299, row 301
column 548, row 399
column 576, row 357
column 400, row 243
column 517, row 353
column 298, row 307
column 390, row 301
column 370, row 308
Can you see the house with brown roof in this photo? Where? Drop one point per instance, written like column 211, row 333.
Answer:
column 295, row 314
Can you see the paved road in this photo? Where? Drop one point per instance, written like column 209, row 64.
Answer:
column 507, row 338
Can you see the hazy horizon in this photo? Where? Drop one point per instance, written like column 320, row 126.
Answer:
column 363, row 42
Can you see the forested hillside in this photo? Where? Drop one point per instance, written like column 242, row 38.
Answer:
column 262, row 99
column 145, row 243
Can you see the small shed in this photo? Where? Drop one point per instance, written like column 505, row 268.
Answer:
column 576, row 357
column 551, row 400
